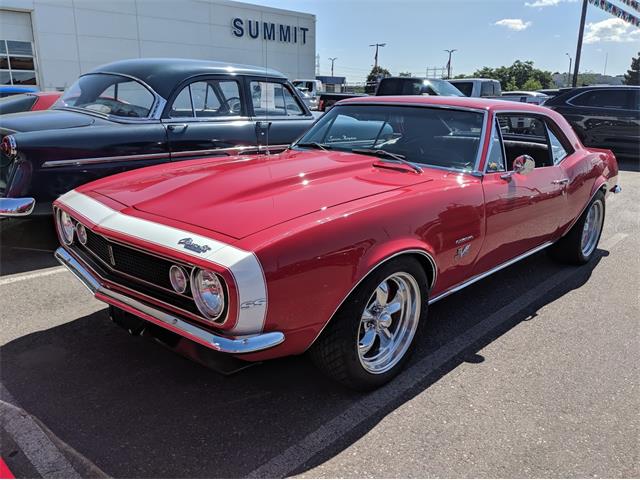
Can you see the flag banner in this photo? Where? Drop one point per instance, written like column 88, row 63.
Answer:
column 617, row 11
column 632, row 3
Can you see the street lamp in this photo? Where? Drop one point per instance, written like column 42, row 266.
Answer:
column 377, row 45
column 332, row 62
column 449, row 62
column 569, row 71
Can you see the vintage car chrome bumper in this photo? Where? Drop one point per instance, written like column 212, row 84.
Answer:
column 16, row 207
column 238, row 345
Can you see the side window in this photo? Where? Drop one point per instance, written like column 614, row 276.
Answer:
column 558, row 152
column 182, row 105
column 605, row 98
column 271, row 98
column 523, row 134
column 495, row 157
column 487, row 89
column 211, row 98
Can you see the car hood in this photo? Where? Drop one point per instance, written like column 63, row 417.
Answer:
column 239, row 196
column 44, row 120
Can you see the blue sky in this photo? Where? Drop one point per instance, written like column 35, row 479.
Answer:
column 486, row 33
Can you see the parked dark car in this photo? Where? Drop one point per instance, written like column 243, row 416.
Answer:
column 28, row 102
column 603, row 117
column 136, row 113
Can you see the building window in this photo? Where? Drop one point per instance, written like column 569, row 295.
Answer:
column 17, row 63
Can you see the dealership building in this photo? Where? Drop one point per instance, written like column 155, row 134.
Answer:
column 49, row 43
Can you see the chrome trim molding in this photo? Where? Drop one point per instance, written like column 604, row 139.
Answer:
column 229, row 151
column 480, row 276
column 16, row 207
column 238, row 345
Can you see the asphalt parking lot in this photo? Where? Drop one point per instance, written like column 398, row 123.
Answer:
column 533, row 372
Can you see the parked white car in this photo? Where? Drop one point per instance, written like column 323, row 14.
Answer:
column 477, row 87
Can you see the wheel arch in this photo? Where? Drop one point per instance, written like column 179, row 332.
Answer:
column 422, row 254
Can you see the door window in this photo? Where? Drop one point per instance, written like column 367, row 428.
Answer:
column 524, row 134
column 495, row 158
column 558, row 152
column 208, row 99
column 605, row 98
column 274, row 99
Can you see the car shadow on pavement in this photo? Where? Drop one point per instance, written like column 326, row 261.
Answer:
column 135, row 409
column 27, row 244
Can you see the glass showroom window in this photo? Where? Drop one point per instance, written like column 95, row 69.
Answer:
column 17, row 63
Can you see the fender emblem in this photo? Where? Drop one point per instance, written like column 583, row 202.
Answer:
column 462, row 251
column 189, row 244
column 253, row 303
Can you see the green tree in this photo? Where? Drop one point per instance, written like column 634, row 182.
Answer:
column 632, row 77
column 515, row 77
column 376, row 73
column 531, row 85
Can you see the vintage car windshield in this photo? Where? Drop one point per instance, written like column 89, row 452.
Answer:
column 442, row 137
column 110, row 95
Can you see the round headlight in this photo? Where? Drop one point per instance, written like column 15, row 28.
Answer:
column 65, row 227
column 208, row 293
column 178, row 278
column 81, row 231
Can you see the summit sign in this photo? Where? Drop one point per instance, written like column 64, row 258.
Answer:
column 270, row 31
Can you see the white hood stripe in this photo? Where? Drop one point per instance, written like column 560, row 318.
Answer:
column 243, row 265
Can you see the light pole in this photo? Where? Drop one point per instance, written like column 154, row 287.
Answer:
column 576, row 68
column 332, row 62
column 569, row 71
column 449, row 62
column 375, row 59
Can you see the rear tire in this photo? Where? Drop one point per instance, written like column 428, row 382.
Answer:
column 372, row 335
column 578, row 246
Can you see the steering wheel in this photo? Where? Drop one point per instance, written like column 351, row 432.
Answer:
column 232, row 105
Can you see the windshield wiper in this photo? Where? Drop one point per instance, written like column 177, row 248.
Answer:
column 319, row 146
column 388, row 157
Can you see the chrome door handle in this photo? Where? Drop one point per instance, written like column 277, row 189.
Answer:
column 177, row 127
column 562, row 181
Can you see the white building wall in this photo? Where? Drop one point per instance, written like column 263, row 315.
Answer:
column 74, row 36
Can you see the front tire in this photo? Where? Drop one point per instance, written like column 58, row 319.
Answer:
column 370, row 338
column 578, row 246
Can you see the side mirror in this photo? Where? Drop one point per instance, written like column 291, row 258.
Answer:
column 522, row 165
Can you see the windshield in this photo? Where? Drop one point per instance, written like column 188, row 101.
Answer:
column 466, row 88
column 442, row 137
column 110, row 95
column 416, row 86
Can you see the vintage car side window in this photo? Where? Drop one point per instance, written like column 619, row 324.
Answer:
column 525, row 134
column 206, row 99
column 271, row 98
column 557, row 149
column 109, row 94
column 495, row 157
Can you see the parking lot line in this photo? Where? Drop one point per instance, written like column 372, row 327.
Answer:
column 314, row 443
column 28, row 276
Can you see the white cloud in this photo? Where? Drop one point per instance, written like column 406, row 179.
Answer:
column 611, row 30
column 516, row 24
column 546, row 3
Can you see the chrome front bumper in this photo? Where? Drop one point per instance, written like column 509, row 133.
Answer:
column 238, row 345
column 16, row 207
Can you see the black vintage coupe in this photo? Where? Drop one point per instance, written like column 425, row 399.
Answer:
column 134, row 113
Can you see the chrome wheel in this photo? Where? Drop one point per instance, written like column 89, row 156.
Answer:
column 389, row 322
column 592, row 227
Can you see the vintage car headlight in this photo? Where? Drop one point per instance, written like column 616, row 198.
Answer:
column 81, row 232
column 208, row 293
column 178, row 278
column 66, row 228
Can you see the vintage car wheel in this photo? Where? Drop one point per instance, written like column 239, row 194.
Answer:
column 371, row 336
column 579, row 244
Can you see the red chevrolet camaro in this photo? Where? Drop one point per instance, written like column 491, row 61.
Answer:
column 338, row 245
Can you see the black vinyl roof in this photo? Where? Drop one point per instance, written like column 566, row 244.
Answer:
column 163, row 74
